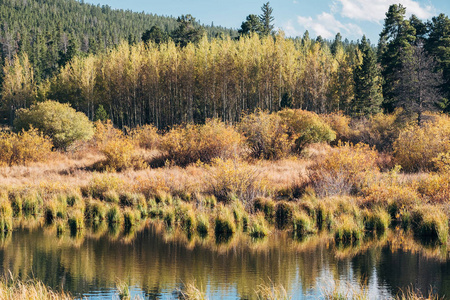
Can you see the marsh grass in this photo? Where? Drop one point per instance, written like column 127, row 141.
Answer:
column 14, row 289
column 272, row 292
column 192, row 292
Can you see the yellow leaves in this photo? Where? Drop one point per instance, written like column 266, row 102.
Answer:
column 190, row 143
column 24, row 147
column 418, row 147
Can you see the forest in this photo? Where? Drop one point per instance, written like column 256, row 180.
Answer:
column 167, row 80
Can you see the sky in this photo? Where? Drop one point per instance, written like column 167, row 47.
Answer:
column 352, row 18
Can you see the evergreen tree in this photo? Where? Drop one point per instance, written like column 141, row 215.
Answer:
column 252, row 24
column 188, row 31
column 155, row 35
column 438, row 45
column 337, row 43
column 418, row 86
column 266, row 19
column 367, row 88
column 394, row 45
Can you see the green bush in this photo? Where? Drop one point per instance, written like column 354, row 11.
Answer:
column 63, row 124
column 305, row 127
column 283, row 214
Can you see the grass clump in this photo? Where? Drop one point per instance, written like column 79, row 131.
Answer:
column 224, row 226
column 168, row 215
column 13, row 289
column 265, row 205
column 302, row 224
column 187, row 219
column 431, row 223
column 76, row 221
column 96, row 211
column 377, row 220
column 272, row 292
column 202, row 224
column 114, row 216
column 258, row 226
column 6, row 215
column 31, row 204
column 347, row 229
column 283, row 214
column 130, row 218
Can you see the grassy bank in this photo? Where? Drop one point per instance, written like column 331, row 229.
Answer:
column 11, row 289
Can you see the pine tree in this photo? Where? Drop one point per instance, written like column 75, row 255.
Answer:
column 266, row 19
column 367, row 88
column 395, row 43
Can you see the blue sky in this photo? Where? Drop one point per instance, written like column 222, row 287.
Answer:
column 352, row 18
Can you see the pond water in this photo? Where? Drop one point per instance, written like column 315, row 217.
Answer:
column 157, row 264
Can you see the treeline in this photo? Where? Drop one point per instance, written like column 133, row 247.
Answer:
column 167, row 83
column 51, row 32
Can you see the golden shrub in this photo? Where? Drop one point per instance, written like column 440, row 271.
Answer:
column 24, row 147
column 191, row 143
column 340, row 123
column 118, row 148
column 435, row 187
column 232, row 178
column 344, row 170
column 266, row 135
column 417, row 147
column 146, row 137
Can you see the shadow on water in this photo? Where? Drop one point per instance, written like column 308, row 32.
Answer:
column 156, row 262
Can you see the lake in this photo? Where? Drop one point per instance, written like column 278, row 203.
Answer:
column 157, row 264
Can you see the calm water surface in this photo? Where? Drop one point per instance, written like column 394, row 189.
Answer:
column 157, row 265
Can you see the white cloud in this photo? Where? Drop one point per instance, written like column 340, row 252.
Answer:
column 289, row 29
column 375, row 10
column 327, row 26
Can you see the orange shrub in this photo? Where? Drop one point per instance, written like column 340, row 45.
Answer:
column 146, row 136
column 266, row 135
column 340, row 124
column 417, row 147
column 117, row 148
column 191, row 143
column 344, row 170
column 24, row 147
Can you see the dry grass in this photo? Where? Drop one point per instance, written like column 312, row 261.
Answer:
column 11, row 289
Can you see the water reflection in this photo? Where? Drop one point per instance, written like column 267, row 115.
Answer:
column 157, row 263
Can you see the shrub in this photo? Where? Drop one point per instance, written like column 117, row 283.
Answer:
column 344, row 170
column 417, row 147
column 340, row 124
column 305, row 127
column 231, row 178
column 379, row 131
column 302, row 224
column 192, row 143
column 435, row 187
column 430, row 222
column 265, row 135
column 146, row 137
column 63, row 124
column 103, row 187
column 258, row 226
column 118, row 149
column 24, row 147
